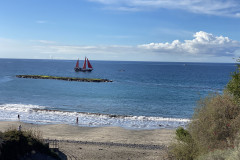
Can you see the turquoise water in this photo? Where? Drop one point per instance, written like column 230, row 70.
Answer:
column 143, row 95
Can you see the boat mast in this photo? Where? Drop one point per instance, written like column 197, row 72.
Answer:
column 84, row 65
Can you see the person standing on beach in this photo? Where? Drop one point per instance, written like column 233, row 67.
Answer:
column 18, row 117
column 77, row 120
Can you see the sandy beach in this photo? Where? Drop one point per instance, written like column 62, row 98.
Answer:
column 102, row 142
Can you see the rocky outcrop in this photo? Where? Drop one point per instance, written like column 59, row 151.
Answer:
column 64, row 78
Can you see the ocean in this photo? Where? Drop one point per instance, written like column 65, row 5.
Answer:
column 143, row 95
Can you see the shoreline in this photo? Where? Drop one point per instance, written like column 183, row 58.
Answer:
column 38, row 114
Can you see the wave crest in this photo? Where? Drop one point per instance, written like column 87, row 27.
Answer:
column 41, row 115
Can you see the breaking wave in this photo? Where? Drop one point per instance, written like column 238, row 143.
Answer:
column 41, row 115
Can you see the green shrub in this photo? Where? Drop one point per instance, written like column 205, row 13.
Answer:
column 19, row 143
column 185, row 147
column 183, row 135
column 233, row 86
column 215, row 123
column 214, row 126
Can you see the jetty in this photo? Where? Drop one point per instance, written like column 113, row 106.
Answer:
column 64, row 78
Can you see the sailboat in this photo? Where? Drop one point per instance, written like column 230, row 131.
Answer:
column 87, row 67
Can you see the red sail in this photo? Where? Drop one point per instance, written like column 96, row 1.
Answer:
column 84, row 65
column 89, row 64
column 77, row 65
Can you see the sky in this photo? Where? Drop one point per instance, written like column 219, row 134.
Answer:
column 121, row 30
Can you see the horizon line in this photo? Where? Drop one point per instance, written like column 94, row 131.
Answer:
column 120, row 60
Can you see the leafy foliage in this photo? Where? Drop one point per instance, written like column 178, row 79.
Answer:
column 185, row 148
column 183, row 135
column 233, row 85
column 19, row 143
column 215, row 123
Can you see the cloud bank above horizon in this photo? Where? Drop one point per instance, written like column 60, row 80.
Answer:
column 214, row 7
column 204, row 46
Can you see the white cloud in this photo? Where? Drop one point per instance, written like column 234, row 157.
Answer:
column 70, row 49
column 204, row 47
column 10, row 48
column 211, row 7
column 202, row 44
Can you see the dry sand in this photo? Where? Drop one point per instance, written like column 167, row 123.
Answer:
column 102, row 142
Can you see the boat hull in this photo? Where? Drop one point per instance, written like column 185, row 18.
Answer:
column 78, row 69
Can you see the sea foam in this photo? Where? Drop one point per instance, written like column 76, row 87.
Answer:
column 41, row 115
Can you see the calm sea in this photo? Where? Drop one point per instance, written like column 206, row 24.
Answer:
column 143, row 95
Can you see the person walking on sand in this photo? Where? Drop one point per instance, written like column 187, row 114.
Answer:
column 18, row 117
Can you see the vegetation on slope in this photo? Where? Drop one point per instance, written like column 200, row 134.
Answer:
column 17, row 144
column 213, row 132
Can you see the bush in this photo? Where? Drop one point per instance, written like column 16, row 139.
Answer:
column 233, row 86
column 215, row 125
column 185, row 148
column 17, row 144
column 231, row 153
column 183, row 135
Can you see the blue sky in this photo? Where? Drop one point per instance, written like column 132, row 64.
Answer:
column 130, row 30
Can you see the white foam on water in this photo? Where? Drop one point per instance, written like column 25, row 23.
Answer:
column 40, row 115
column 20, row 107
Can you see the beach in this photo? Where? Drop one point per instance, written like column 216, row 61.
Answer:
column 102, row 142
